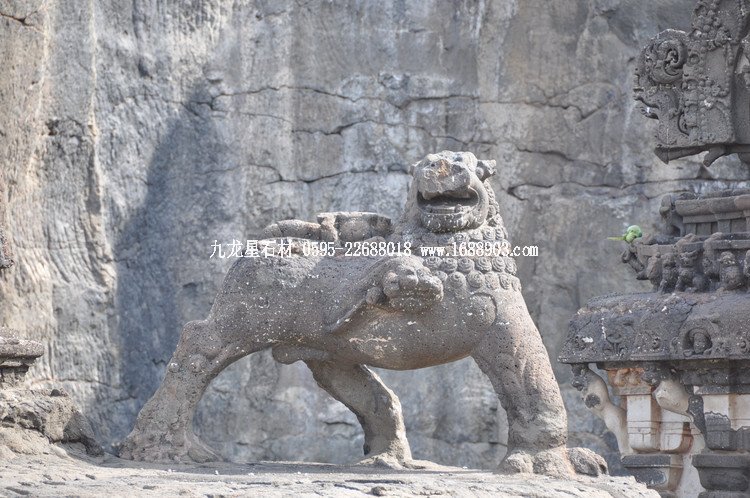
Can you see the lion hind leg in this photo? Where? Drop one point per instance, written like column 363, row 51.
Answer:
column 377, row 408
column 163, row 430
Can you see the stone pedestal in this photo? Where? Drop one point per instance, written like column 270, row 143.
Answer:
column 677, row 359
column 33, row 418
column 726, row 475
column 16, row 356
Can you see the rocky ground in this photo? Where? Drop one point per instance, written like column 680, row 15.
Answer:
column 66, row 470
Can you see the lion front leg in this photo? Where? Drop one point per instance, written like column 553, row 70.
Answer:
column 513, row 356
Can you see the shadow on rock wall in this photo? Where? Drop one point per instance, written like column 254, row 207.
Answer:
column 163, row 247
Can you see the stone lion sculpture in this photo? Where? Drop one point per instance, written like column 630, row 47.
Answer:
column 397, row 311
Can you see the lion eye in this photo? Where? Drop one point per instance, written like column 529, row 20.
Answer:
column 485, row 169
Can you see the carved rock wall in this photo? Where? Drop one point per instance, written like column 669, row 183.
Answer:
column 134, row 134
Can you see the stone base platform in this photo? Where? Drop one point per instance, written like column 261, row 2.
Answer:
column 67, row 470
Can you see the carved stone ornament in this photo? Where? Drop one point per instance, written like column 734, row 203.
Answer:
column 697, row 84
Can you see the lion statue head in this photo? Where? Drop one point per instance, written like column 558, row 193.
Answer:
column 450, row 192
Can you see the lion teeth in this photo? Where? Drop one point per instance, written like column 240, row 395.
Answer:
column 443, row 209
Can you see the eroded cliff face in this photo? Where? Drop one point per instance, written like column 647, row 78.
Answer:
column 135, row 134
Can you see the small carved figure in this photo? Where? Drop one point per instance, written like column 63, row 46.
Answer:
column 615, row 333
column 669, row 273
column 688, row 276
column 673, row 224
column 654, row 270
column 669, row 393
column 698, row 342
column 731, row 276
column 630, row 257
column 709, row 266
column 340, row 315
column 596, row 398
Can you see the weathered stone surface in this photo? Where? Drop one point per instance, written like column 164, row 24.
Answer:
column 16, row 356
column 70, row 472
column 657, row 327
column 28, row 414
column 19, row 350
column 695, row 83
column 134, row 135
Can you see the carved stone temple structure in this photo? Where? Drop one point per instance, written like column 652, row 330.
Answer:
column 677, row 359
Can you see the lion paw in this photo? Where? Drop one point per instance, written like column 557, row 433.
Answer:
column 409, row 286
column 587, row 462
column 161, row 447
column 385, row 460
column 517, row 462
column 554, row 462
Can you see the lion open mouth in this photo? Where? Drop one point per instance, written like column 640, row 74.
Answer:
column 448, row 202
